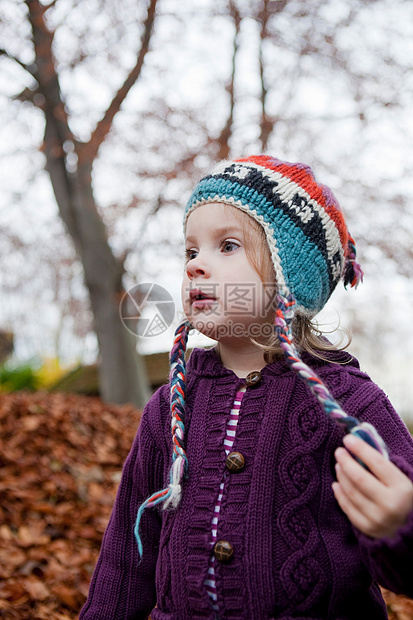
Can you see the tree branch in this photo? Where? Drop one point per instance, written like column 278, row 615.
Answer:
column 266, row 122
column 89, row 150
column 27, row 94
column 47, row 78
column 49, row 6
column 29, row 68
column 225, row 135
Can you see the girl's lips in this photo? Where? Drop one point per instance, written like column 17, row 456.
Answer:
column 200, row 300
column 202, row 304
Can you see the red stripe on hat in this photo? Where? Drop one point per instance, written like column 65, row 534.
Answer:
column 299, row 174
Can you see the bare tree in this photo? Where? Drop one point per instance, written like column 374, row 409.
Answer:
column 122, row 376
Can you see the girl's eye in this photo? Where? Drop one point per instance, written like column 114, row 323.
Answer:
column 190, row 255
column 229, row 246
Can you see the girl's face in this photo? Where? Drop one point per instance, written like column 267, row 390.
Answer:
column 223, row 295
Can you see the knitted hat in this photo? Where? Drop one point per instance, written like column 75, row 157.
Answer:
column 311, row 250
column 305, row 229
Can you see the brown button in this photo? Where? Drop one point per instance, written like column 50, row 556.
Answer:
column 253, row 378
column 223, row 551
column 235, row 462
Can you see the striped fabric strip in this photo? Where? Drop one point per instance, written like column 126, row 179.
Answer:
column 231, row 428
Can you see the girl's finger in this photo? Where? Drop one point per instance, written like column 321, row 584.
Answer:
column 358, row 477
column 360, row 500
column 381, row 468
column 372, row 506
column 359, row 520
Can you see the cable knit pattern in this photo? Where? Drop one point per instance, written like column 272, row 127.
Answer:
column 302, row 574
column 296, row 556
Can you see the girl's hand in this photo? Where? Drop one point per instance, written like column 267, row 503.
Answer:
column 378, row 501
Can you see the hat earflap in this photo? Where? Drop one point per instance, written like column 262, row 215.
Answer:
column 171, row 494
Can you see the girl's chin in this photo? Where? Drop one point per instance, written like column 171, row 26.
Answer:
column 204, row 327
column 227, row 329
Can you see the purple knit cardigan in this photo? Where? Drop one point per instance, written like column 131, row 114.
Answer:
column 296, row 555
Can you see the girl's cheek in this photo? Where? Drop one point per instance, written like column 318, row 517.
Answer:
column 185, row 287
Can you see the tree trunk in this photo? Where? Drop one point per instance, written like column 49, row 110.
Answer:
column 122, row 372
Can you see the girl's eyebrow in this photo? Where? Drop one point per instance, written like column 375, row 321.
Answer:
column 219, row 232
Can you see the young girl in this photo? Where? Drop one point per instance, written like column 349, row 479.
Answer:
column 251, row 508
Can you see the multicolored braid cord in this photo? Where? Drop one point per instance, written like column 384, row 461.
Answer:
column 172, row 493
column 353, row 273
column 364, row 430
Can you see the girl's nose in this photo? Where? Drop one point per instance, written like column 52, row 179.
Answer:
column 196, row 268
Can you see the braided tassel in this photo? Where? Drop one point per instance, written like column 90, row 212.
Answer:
column 364, row 430
column 353, row 273
column 178, row 393
column 172, row 493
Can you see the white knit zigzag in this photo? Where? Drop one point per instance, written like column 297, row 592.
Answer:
column 286, row 190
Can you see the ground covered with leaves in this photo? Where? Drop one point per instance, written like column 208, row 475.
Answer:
column 60, row 463
column 61, row 457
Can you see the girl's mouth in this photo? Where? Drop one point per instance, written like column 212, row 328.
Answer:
column 200, row 300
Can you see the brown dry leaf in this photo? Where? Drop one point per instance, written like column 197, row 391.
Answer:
column 31, row 423
column 398, row 607
column 13, row 593
column 5, row 532
column 12, row 556
column 31, row 535
column 69, row 596
column 37, row 589
column 96, row 491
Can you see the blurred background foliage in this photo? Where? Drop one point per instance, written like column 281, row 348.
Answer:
column 36, row 374
column 134, row 101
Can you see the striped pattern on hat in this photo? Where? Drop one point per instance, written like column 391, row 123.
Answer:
column 310, row 246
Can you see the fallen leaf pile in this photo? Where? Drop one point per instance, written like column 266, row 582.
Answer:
column 398, row 607
column 60, row 463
